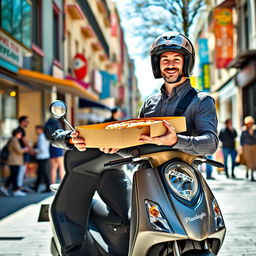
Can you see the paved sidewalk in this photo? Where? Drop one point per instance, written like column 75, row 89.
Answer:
column 22, row 235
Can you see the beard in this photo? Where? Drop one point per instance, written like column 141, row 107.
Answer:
column 172, row 78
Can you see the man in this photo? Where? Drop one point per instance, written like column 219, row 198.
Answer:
column 172, row 58
column 42, row 157
column 227, row 136
column 114, row 115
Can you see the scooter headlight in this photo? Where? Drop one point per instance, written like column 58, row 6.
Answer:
column 181, row 179
column 156, row 217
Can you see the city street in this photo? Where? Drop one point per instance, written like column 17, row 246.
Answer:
column 22, row 234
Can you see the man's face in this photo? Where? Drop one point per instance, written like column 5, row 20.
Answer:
column 25, row 123
column 171, row 64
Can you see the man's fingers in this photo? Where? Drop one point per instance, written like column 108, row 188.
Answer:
column 74, row 134
column 168, row 125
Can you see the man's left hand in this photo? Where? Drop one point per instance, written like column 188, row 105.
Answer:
column 169, row 139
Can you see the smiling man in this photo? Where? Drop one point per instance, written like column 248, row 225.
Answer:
column 172, row 58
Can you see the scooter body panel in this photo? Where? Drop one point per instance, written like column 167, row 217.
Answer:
column 188, row 221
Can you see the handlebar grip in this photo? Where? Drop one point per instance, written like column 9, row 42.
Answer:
column 119, row 162
column 214, row 163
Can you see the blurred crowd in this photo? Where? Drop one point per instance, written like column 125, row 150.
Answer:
column 17, row 154
column 242, row 154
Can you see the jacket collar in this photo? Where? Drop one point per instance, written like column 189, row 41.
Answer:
column 177, row 91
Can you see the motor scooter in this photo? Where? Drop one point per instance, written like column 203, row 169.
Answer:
column 173, row 211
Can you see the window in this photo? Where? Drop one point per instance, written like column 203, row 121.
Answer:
column 56, row 32
column 16, row 19
column 69, row 52
column 37, row 23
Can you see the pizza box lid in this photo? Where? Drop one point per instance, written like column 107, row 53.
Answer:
column 96, row 136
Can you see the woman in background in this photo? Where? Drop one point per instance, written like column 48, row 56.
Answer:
column 248, row 143
column 14, row 161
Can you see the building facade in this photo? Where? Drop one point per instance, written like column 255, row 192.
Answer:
column 68, row 50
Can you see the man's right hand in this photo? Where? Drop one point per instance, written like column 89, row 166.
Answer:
column 78, row 142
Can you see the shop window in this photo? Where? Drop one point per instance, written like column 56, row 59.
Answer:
column 56, row 32
column 8, row 114
column 245, row 25
column 37, row 62
column 37, row 23
column 16, row 19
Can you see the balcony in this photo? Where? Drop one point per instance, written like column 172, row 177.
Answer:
column 75, row 11
column 96, row 46
column 87, row 32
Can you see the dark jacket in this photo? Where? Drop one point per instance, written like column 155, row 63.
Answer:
column 201, row 137
column 227, row 137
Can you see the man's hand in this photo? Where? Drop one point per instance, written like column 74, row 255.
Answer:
column 169, row 139
column 109, row 150
column 78, row 142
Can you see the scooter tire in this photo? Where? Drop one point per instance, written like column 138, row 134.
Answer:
column 198, row 253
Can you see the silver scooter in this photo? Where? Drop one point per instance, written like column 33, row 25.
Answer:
column 173, row 211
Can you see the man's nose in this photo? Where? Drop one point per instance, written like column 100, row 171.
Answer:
column 171, row 63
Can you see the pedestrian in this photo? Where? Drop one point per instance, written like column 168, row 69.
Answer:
column 15, row 160
column 42, row 157
column 24, row 142
column 115, row 113
column 227, row 136
column 56, row 154
column 248, row 143
column 172, row 58
column 209, row 169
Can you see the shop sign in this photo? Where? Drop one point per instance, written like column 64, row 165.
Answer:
column 10, row 50
column 203, row 51
column 204, row 78
column 114, row 24
column 57, row 72
column 80, row 66
column 223, row 29
column 97, row 77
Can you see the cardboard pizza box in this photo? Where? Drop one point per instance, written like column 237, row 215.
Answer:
column 96, row 136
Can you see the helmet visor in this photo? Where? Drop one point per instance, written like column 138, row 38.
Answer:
column 167, row 42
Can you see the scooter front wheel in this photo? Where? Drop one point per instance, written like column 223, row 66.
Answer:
column 198, row 253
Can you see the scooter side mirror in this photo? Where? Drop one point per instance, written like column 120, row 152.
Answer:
column 59, row 109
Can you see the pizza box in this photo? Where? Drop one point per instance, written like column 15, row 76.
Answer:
column 96, row 136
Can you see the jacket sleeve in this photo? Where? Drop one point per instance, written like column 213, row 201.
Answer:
column 15, row 145
column 205, row 122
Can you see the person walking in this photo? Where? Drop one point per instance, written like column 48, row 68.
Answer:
column 15, row 160
column 227, row 136
column 115, row 113
column 56, row 154
column 24, row 143
column 248, row 143
column 42, row 157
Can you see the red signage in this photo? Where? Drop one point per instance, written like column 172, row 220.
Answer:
column 223, row 27
column 80, row 66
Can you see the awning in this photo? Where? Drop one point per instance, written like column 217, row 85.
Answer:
column 242, row 59
column 85, row 103
column 66, row 85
